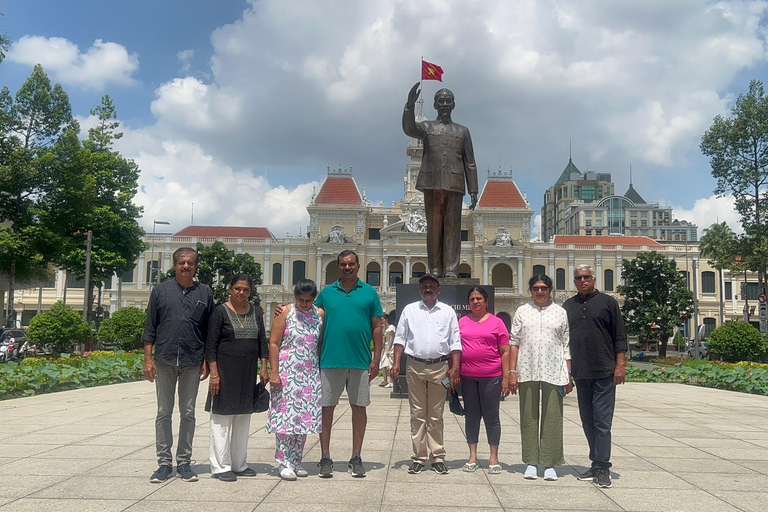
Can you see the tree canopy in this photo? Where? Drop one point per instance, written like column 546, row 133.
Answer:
column 656, row 298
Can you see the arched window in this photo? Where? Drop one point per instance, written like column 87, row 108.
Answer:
column 331, row 272
column 501, row 276
column 464, row 271
column 560, row 279
column 373, row 274
column 299, row 270
column 418, row 270
column 277, row 273
column 539, row 270
column 608, row 280
column 707, row 282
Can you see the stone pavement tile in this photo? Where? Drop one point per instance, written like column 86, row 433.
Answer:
column 186, row 506
column 135, row 441
column 545, row 496
column 149, row 453
column 6, row 460
column 649, row 439
column 739, row 453
column 121, row 468
column 251, row 490
column 65, row 505
column 335, row 493
column 745, row 480
column 632, row 500
column 414, row 496
column 747, row 501
column 91, row 428
column 36, row 466
column 73, row 451
column 670, row 452
column 706, row 444
column 756, row 466
column 27, row 485
column 18, row 451
column 650, row 480
column 711, row 465
column 101, row 488
column 47, row 438
column 276, row 506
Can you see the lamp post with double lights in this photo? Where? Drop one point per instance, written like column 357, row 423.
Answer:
column 152, row 271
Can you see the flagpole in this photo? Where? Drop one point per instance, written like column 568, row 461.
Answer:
column 421, row 73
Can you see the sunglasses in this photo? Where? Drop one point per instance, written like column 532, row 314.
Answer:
column 582, row 278
column 540, row 288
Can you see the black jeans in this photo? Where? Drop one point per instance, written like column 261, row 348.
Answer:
column 481, row 399
column 597, row 398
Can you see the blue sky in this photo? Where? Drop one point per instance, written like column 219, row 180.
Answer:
column 240, row 106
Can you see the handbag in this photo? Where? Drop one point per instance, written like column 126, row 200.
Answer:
column 454, row 404
column 260, row 397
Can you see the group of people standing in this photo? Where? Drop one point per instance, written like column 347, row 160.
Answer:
column 319, row 347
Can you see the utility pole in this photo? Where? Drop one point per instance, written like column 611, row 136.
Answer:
column 87, row 287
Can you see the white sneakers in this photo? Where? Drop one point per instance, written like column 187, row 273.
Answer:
column 301, row 472
column 550, row 474
column 287, row 474
column 530, row 473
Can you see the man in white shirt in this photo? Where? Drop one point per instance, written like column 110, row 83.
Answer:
column 428, row 333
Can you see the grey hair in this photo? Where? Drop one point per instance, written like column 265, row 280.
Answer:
column 583, row 267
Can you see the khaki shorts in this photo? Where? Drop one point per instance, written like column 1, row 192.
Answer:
column 356, row 382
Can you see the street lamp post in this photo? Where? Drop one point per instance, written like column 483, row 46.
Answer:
column 152, row 273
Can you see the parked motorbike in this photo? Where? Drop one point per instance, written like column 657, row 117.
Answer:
column 6, row 351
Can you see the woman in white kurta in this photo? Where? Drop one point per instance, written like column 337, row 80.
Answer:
column 540, row 367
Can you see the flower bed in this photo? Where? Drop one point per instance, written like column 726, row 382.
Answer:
column 743, row 377
column 35, row 376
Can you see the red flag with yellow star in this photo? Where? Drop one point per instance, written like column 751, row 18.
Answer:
column 431, row 71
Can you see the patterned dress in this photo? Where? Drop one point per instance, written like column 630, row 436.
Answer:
column 296, row 408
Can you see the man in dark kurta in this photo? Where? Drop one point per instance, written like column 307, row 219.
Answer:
column 448, row 161
column 598, row 346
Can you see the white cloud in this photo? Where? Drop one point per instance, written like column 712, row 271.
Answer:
column 103, row 63
column 185, row 57
column 710, row 210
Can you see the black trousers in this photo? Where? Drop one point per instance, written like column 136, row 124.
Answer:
column 481, row 399
column 597, row 398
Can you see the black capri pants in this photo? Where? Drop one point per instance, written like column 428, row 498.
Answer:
column 481, row 400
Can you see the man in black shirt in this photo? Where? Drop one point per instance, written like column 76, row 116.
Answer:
column 598, row 345
column 176, row 326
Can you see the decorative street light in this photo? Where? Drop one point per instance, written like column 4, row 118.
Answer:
column 152, row 270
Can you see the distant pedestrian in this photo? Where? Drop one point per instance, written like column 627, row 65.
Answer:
column 387, row 351
column 598, row 348
column 428, row 333
column 176, row 327
column 540, row 366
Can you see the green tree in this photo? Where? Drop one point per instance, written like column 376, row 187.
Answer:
column 737, row 341
column 4, row 44
column 94, row 192
column 656, row 298
column 61, row 327
column 216, row 267
column 719, row 246
column 31, row 122
column 123, row 329
column 737, row 148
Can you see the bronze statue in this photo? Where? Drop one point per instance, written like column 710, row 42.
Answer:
column 447, row 162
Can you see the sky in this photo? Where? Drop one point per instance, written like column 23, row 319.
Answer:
column 235, row 109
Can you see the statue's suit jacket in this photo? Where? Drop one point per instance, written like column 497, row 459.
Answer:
column 449, row 159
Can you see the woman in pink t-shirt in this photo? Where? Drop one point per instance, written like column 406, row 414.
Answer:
column 484, row 361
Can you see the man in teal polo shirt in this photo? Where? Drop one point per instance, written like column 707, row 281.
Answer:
column 352, row 317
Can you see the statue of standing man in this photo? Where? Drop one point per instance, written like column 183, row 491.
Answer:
column 448, row 161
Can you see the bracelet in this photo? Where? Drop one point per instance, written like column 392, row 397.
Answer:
column 512, row 371
column 214, row 376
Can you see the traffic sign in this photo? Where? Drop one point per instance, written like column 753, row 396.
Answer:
column 762, row 298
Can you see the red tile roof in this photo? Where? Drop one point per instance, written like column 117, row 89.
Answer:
column 605, row 240
column 501, row 194
column 339, row 190
column 225, row 232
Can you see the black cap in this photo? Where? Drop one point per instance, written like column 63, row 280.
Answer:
column 429, row 276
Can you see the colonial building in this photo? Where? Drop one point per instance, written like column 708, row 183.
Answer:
column 496, row 247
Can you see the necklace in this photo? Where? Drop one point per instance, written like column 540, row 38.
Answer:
column 237, row 315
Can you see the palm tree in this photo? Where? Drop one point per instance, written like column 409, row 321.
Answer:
column 718, row 245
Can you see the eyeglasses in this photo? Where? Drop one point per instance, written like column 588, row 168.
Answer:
column 540, row 288
column 582, row 278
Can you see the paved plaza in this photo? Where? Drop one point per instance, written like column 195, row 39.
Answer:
column 676, row 447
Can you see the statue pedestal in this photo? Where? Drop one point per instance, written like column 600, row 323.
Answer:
column 453, row 291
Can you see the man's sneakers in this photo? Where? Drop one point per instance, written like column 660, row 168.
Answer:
column 588, row 475
column 225, row 476
column 356, row 468
column 603, row 478
column 439, row 468
column 184, row 471
column 326, row 468
column 416, row 468
column 161, row 475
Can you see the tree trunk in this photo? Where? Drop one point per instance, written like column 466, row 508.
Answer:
column 9, row 317
column 662, row 346
column 722, row 305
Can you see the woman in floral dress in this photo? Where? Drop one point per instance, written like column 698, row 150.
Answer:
column 295, row 407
